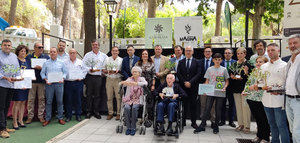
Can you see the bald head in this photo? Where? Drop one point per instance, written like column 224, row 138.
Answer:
column 72, row 54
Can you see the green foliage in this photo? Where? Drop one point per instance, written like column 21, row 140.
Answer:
column 204, row 8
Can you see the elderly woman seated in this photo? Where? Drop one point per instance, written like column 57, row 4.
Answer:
column 168, row 92
column 132, row 98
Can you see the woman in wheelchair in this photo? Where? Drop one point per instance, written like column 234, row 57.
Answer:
column 132, row 98
column 167, row 94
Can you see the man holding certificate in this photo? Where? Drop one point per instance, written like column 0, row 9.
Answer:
column 94, row 60
column 74, row 85
column 54, row 72
column 37, row 59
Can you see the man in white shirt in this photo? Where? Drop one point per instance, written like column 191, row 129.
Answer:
column 273, row 102
column 112, row 66
column 94, row 61
column 292, row 86
column 74, row 85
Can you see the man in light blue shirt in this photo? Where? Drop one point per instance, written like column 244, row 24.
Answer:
column 8, row 71
column 178, row 50
column 53, row 65
column 62, row 55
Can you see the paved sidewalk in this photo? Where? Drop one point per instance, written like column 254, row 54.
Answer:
column 103, row 131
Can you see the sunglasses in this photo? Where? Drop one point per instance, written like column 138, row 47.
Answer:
column 41, row 47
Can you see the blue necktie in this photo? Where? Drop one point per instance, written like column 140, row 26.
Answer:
column 206, row 65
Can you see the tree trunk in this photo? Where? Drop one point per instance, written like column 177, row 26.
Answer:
column 89, row 23
column 12, row 12
column 218, row 27
column 64, row 18
column 257, row 19
column 151, row 8
column 82, row 28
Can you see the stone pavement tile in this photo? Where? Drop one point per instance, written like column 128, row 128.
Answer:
column 86, row 130
column 92, row 142
column 76, row 136
column 164, row 139
column 141, row 139
column 70, row 141
column 118, row 138
column 95, row 138
column 105, row 131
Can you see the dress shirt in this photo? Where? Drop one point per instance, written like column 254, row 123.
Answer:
column 54, row 66
column 291, row 77
column 7, row 60
column 78, row 66
column 100, row 57
column 63, row 57
column 117, row 62
column 209, row 62
column 225, row 63
column 177, row 61
column 276, row 75
column 157, row 63
column 190, row 61
column 131, row 61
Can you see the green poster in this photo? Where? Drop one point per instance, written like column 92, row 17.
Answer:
column 158, row 31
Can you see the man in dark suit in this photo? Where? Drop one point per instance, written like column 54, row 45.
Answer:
column 286, row 58
column 188, row 72
column 129, row 62
column 205, row 63
column 228, row 53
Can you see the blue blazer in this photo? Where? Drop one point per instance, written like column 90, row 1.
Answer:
column 125, row 70
column 203, row 71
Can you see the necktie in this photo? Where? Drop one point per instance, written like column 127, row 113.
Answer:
column 206, row 65
column 227, row 65
column 188, row 64
column 130, row 62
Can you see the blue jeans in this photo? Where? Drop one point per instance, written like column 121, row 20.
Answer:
column 73, row 92
column 172, row 104
column 278, row 124
column 56, row 89
column 131, row 115
column 293, row 115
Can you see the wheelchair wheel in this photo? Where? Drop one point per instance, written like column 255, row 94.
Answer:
column 142, row 130
column 117, row 129
column 148, row 123
column 121, row 129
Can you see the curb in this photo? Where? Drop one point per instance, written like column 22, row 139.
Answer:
column 68, row 131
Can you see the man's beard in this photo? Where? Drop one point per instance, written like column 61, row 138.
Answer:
column 60, row 49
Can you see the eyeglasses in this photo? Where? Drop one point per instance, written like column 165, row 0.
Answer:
column 228, row 53
column 41, row 47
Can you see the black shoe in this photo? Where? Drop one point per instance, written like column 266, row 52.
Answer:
column 232, row 125
column 169, row 131
column 203, row 124
column 195, row 126
column 162, row 127
column 22, row 126
column 88, row 115
column 213, row 125
column 68, row 119
column 221, row 123
column 78, row 118
column 97, row 115
column 216, row 130
column 183, row 123
column 199, row 129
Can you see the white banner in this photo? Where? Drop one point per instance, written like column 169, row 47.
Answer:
column 188, row 31
column 291, row 24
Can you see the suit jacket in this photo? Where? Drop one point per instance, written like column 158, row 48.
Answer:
column 162, row 70
column 297, row 76
column 176, row 88
column 125, row 70
column 230, row 80
column 202, row 64
column 192, row 75
column 286, row 58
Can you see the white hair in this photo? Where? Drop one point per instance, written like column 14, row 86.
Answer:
column 136, row 68
column 294, row 36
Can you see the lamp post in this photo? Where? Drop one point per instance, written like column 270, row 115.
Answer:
column 99, row 26
column 110, row 6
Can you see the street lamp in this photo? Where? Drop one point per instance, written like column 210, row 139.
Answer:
column 110, row 6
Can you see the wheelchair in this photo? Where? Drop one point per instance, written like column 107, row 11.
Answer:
column 178, row 116
column 142, row 112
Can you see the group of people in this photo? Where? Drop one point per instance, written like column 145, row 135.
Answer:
column 265, row 86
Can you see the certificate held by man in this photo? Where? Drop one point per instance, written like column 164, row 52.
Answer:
column 37, row 62
column 54, row 77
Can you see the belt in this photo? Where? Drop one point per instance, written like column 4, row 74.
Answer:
column 293, row 96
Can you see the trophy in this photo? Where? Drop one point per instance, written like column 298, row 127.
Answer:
column 92, row 63
column 168, row 92
column 170, row 66
column 111, row 68
column 237, row 70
